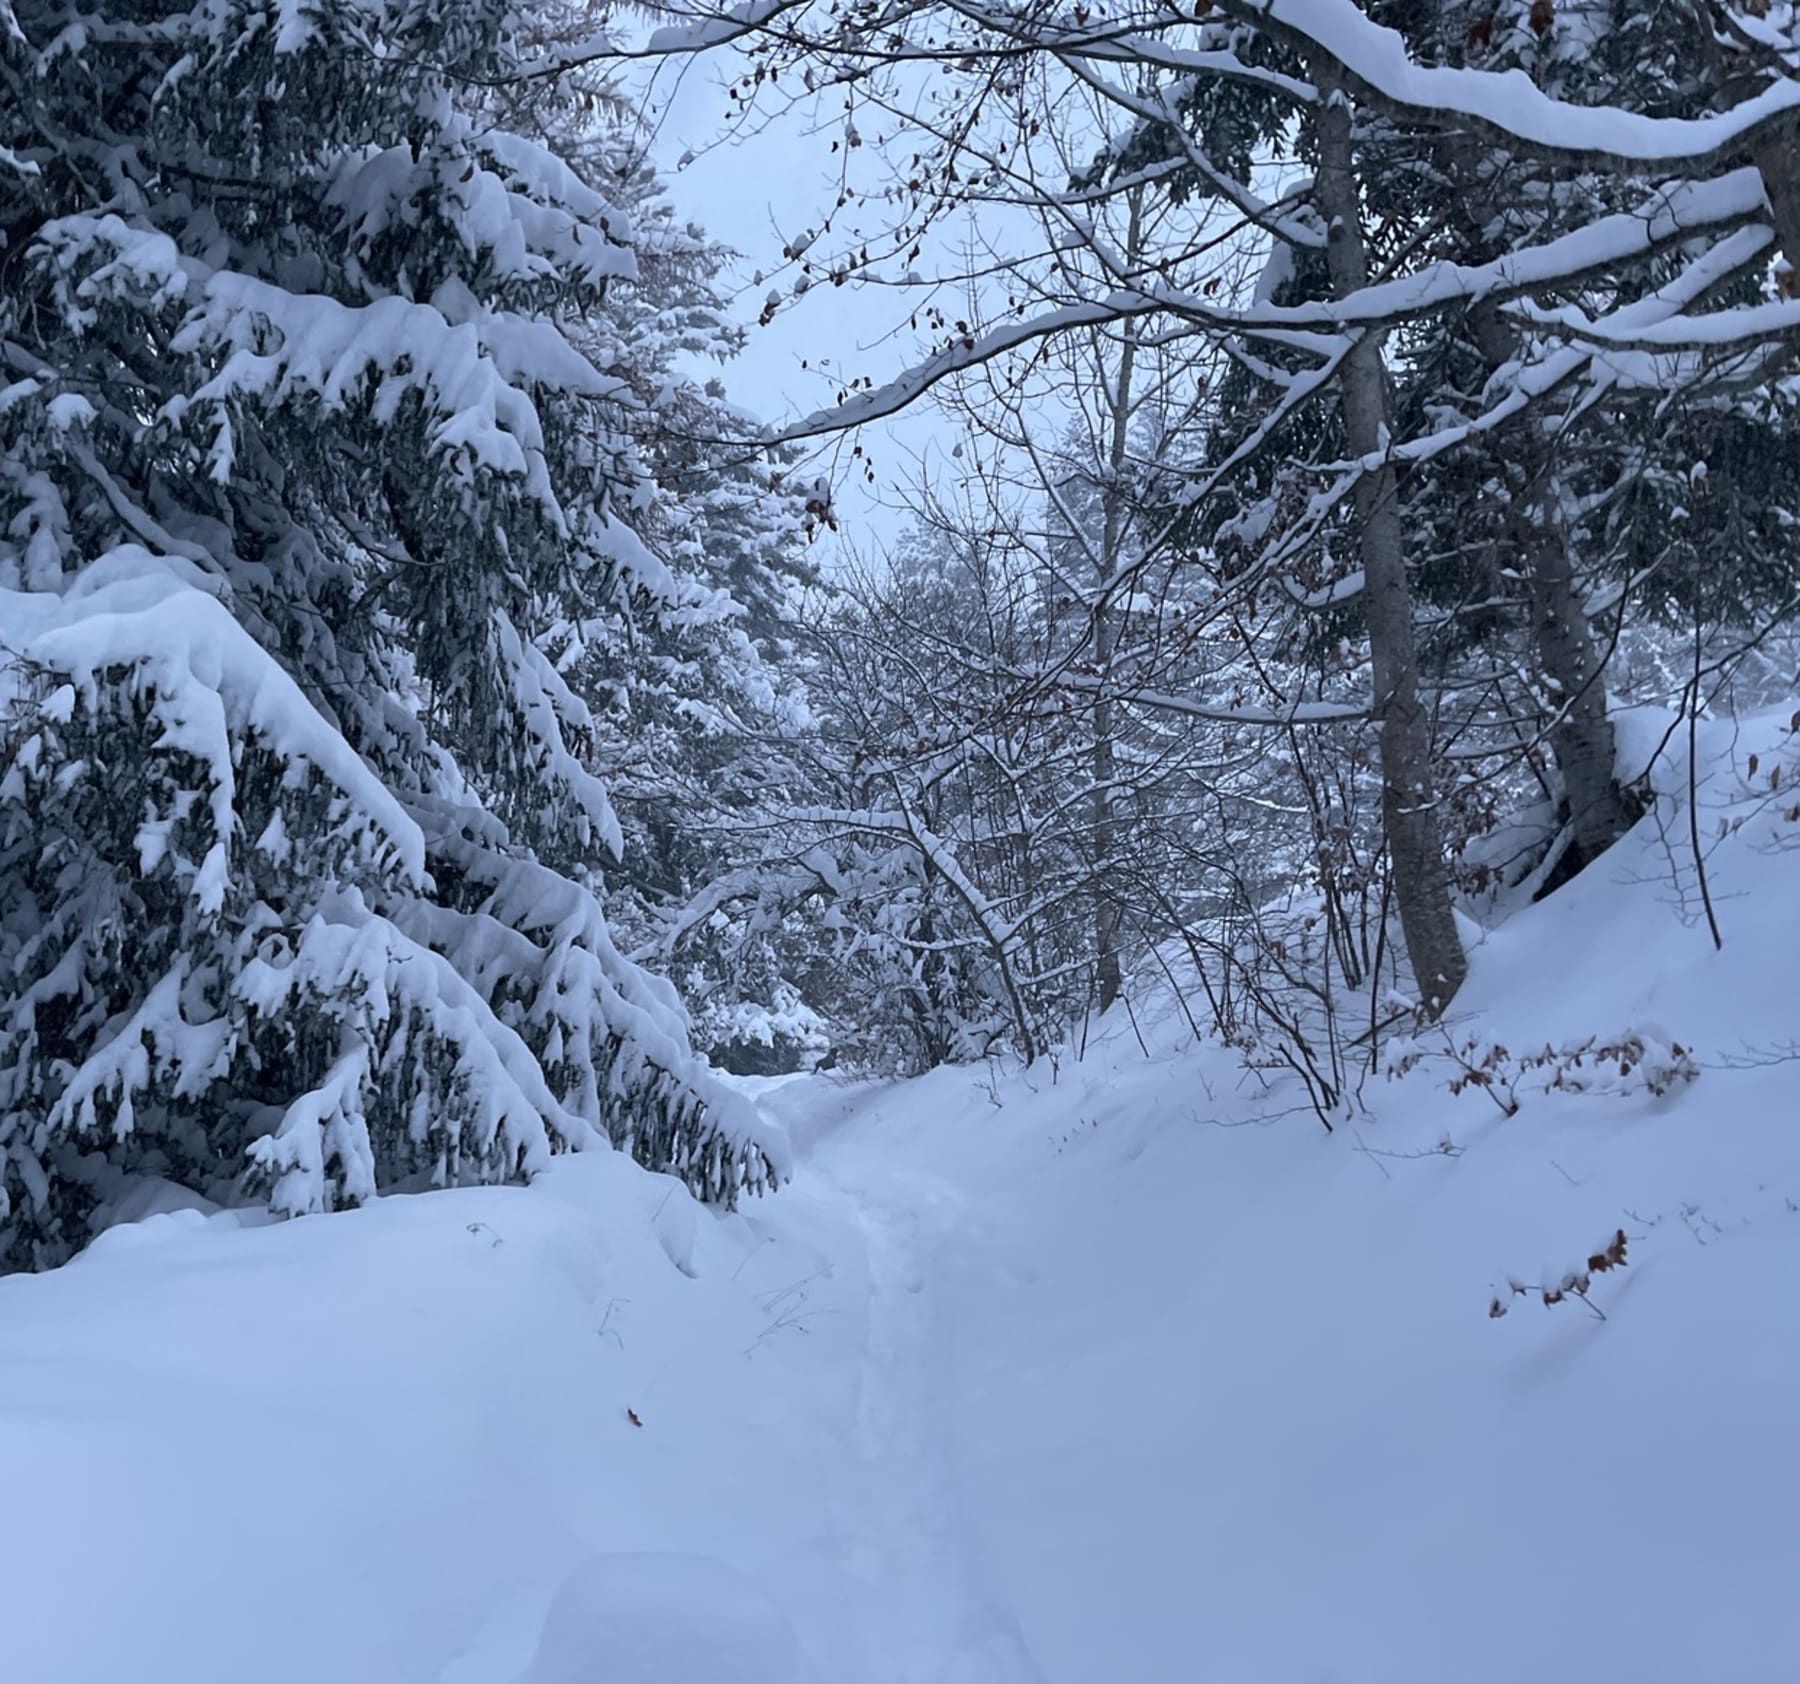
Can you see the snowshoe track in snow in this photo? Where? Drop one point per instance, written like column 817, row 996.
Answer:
column 905, row 1531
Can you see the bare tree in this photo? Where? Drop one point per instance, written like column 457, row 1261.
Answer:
column 1637, row 292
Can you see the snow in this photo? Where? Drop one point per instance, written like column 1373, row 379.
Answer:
column 711, row 31
column 662, row 1619
column 1509, row 102
column 476, row 375
column 1668, row 215
column 1506, row 103
column 1123, row 1371
column 70, row 409
column 162, row 616
column 534, row 222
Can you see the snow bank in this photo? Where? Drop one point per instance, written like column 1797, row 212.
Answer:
column 1131, row 1374
column 1220, row 1395
column 398, row 1444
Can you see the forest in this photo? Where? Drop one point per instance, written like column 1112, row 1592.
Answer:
column 1038, row 759
column 441, row 728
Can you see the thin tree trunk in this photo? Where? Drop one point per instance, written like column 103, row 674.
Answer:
column 1778, row 158
column 1107, row 977
column 1562, row 635
column 1408, row 797
column 1582, row 735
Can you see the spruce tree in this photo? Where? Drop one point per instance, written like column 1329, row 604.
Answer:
column 300, row 465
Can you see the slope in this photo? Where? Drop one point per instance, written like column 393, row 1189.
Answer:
column 1121, row 1371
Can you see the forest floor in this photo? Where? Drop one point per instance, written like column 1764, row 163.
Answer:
column 1126, row 1372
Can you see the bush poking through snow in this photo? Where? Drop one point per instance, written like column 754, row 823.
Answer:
column 1632, row 1063
column 1573, row 1283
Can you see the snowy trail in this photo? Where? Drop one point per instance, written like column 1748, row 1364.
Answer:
column 1027, row 1377
column 927, row 1617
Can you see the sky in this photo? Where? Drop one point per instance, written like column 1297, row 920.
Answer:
column 759, row 186
column 755, row 192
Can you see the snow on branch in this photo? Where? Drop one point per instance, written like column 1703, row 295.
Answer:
column 531, row 217
column 546, row 705
column 349, row 995
column 472, row 376
column 611, row 1038
column 1669, row 216
column 1720, row 330
column 1505, row 104
column 706, row 30
column 206, row 680
column 1508, row 104
column 437, row 1035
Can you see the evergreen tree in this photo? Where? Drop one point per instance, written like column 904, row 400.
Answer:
column 300, row 468
column 692, row 682
column 695, row 689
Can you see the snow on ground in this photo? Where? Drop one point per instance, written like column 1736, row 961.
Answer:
column 1131, row 1374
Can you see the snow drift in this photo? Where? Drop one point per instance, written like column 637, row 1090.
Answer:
column 1135, row 1373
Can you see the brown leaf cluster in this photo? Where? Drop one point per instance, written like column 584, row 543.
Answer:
column 1575, row 1284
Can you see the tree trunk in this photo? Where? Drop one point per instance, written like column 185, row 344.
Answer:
column 1776, row 155
column 1561, row 633
column 1107, row 979
column 1778, row 158
column 1582, row 736
column 1408, row 797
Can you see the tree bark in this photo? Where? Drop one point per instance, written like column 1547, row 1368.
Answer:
column 1582, row 735
column 1408, row 796
column 1778, row 158
column 1562, row 636
column 1776, row 153
column 1107, row 977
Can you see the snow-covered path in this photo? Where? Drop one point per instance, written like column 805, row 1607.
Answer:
column 1121, row 1377
column 928, row 1616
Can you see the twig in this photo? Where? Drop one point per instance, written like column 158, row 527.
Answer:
column 1712, row 922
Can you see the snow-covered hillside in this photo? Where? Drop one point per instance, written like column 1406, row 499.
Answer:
column 1131, row 1374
